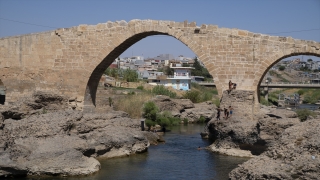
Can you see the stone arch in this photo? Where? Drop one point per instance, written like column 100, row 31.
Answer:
column 277, row 59
column 2, row 93
column 91, row 88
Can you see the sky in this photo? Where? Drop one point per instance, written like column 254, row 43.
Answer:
column 299, row 19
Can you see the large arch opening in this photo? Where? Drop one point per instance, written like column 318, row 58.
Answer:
column 288, row 73
column 93, row 83
column 2, row 93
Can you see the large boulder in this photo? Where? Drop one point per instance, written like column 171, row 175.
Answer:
column 66, row 142
column 295, row 155
column 205, row 109
column 39, row 103
column 175, row 106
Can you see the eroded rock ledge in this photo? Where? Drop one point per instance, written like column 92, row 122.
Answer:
column 281, row 145
column 64, row 142
column 296, row 155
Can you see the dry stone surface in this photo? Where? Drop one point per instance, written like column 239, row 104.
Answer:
column 64, row 142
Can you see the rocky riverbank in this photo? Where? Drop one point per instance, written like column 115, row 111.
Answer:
column 281, row 145
column 39, row 137
column 295, row 155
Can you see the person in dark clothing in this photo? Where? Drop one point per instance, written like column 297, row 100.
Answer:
column 218, row 112
column 226, row 113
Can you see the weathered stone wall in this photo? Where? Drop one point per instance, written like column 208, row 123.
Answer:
column 71, row 60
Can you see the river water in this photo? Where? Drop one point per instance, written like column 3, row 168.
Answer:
column 177, row 158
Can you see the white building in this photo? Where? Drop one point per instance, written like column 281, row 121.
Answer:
column 181, row 79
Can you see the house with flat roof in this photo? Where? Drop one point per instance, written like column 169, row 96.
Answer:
column 181, row 79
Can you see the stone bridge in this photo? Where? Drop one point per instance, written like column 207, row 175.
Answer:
column 70, row 61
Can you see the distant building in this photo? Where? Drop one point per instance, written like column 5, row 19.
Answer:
column 181, row 79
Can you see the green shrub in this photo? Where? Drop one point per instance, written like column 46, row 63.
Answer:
column 281, row 68
column 163, row 121
column 150, row 123
column 193, row 95
column 174, row 121
column 140, row 87
column 214, row 91
column 185, row 121
column 263, row 101
column 161, row 90
column 131, row 93
column 195, row 85
column 202, row 119
column 166, row 119
column 304, row 113
column 206, row 96
column 301, row 91
column 150, row 111
column 110, row 101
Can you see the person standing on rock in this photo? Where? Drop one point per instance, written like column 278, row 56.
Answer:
column 218, row 113
column 230, row 85
column 226, row 113
column 230, row 111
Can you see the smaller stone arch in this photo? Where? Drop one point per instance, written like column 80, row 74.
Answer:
column 277, row 59
column 2, row 93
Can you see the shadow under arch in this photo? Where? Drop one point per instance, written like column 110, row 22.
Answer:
column 2, row 93
column 93, row 82
column 275, row 62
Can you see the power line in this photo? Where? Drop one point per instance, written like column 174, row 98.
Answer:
column 27, row 23
column 58, row 27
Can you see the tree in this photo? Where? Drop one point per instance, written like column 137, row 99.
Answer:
column 199, row 70
column 130, row 75
column 281, row 68
column 309, row 60
column 168, row 71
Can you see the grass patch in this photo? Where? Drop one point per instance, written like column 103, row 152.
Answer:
column 132, row 104
column 199, row 93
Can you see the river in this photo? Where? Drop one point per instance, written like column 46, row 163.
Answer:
column 177, row 158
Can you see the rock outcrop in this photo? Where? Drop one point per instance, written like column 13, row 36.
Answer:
column 296, row 155
column 184, row 108
column 247, row 134
column 64, row 142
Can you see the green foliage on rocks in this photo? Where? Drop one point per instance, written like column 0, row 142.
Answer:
column 150, row 111
column 303, row 114
column 162, row 90
column 263, row 101
column 153, row 116
column 202, row 119
column 193, row 95
column 199, row 93
column 310, row 96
